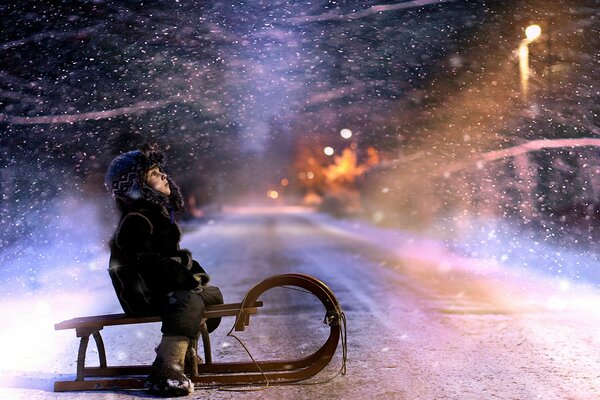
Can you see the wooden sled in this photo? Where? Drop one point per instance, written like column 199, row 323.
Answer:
column 106, row 377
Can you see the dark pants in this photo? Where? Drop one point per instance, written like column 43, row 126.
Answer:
column 183, row 311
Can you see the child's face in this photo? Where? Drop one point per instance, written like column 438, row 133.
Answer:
column 158, row 181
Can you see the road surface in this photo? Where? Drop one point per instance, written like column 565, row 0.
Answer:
column 421, row 323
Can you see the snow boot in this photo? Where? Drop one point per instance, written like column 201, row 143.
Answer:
column 192, row 359
column 167, row 378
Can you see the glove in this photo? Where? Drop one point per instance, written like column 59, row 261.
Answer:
column 185, row 258
column 203, row 278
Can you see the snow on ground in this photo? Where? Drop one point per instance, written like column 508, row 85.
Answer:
column 537, row 284
column 531, row 316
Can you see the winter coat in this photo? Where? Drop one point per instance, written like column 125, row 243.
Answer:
column 146, row 262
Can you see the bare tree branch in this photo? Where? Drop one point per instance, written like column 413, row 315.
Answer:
column 49, row 35
column 365, row 13
column 520, row 149
column 7, row 94
column 574, row 122
column 334, row 94
column 218, row 32
column 137, row 108
column 9, row 80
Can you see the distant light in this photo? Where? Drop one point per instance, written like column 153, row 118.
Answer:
column 285, row 182
column 272, row 194
column 532, row 32
column 378, row 216
column 328, row 151
column 310, row 175
column 346, row 133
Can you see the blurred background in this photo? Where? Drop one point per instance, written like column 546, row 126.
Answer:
column 472, row 120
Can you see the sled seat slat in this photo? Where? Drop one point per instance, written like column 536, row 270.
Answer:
column 99, row 321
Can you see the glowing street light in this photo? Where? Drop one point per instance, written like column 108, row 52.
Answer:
column 328, row 151
column 346, row 133
column 532, row 32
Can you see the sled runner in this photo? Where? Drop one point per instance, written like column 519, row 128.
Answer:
column 106, row 377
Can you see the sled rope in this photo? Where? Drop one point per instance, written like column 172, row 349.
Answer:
column 246, row 389
column 343, row 339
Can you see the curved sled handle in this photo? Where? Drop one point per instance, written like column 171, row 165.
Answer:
column 307, row 282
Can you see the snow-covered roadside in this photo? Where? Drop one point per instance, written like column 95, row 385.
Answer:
column 55, row 273
column 533, row 285
column 489, row 313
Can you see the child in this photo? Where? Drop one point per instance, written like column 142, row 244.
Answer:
column 151, row 274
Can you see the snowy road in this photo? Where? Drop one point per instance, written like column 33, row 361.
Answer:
column 422, row 323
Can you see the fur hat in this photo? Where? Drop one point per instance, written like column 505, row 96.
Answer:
column 125, row 179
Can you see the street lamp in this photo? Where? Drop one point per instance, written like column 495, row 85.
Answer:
column 532, row 32
column 349, row 135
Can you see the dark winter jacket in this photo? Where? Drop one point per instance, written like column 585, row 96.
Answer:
column 146, row 261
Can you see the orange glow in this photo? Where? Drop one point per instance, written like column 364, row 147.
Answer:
column 345, row 169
